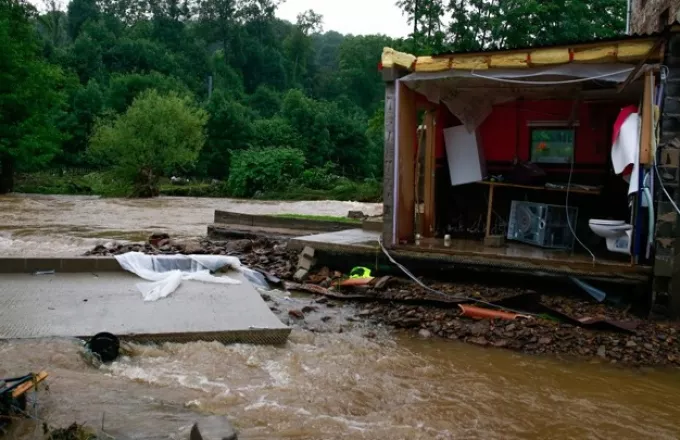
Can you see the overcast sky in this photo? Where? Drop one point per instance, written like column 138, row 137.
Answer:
column 351, row 16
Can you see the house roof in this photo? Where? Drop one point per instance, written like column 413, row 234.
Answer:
column 574, row 42
column 626, row 49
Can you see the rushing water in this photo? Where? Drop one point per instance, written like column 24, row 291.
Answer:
column 70, row 225
column 324, row 385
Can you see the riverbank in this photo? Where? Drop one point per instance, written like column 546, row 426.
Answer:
column 566, row 332
column 96, row 183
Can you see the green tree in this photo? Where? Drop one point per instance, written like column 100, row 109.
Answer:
column 256, row 171
column 265, row 101
column 85, row 104
column 31, row 101
column 123, row 89
column 79, row 12
column 299, row 45
column 482, row 24
column 156, row 136
column 229, row 129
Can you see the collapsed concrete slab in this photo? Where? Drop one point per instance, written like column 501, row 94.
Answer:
column 83, row 304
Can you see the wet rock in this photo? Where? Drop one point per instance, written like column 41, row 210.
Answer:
column 188, row 247
column 510, row 327
column 544, row 341
column 631, row 344
column 365, row 312
column 648, row 346
column 266, row 297
column 322, row 300
column 296, row 314
column 309, row 309
column 602, row 351
column 326, row 318
column 382, row 283
column 239, row 246
column 479, row 341
column 501, row 343
column 370, row 335
column 479, row 328
column 424, row 333
column 213, row 428
column 356, row 215
column 300, row 275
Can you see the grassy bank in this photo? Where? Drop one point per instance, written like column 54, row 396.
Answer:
column 103, row 184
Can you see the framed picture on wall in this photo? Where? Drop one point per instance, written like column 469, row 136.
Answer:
column 552, row 145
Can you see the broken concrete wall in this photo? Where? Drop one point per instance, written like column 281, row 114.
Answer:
column 647, row 16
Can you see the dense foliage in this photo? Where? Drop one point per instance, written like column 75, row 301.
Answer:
column 70, row 78
column 463, row 25
column 287, row 106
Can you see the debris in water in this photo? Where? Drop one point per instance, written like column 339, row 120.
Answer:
column 105, row 346
column 596, row 293
column 45, row 272
column 479, row 312
column 73, row 432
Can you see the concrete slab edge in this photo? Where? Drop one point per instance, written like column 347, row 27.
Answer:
column 234, row 218
column 58, row 264
column 350, row 252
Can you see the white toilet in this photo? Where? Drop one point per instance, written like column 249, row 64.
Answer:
column 616, row 232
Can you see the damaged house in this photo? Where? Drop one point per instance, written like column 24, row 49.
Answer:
column 559, row 159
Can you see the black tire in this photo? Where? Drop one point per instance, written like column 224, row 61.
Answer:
column 105, row 345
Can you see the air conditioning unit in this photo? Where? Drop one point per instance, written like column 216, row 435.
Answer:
column 542, row 225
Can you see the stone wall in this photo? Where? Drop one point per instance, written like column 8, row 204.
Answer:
column 388, row 165
column 667, row 255
column 646, row 14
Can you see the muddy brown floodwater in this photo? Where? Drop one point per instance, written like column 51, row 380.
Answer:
column 36, row 225
column 320, row 385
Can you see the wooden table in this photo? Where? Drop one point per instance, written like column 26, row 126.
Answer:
column 492, row 185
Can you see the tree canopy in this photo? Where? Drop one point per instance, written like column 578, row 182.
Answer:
column 462, row 25
column 77, row 78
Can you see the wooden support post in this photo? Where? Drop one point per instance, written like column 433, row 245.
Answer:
column 408, row 125
column 647, row 121
column 489, row 211
column 429, row 175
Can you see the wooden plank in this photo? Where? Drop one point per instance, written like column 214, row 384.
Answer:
column 653, row 51
column 489, row 210
column 647, row 115
column 26, row 386
column 407, row 133
column 429, row 175
column 573, row 190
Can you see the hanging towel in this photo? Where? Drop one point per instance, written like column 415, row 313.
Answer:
column 626, row 147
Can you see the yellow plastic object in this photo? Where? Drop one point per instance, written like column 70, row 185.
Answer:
column 360, row 272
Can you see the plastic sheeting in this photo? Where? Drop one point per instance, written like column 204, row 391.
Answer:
column 166, row 272
column 471, row 95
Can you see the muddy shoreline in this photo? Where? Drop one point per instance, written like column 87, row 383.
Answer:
column 650, row 343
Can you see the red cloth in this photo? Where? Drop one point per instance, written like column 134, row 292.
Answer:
column 623, row 115
column 620, row 119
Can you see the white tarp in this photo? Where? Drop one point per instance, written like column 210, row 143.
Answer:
column 471, row 94
column 166, row 272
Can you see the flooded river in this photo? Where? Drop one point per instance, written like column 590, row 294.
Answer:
column 70, row 225
column 317, row 386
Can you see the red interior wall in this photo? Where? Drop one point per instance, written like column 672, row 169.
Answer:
column 505, row 133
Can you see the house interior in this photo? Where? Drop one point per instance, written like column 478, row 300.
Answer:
column 549, row 163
